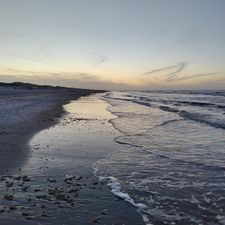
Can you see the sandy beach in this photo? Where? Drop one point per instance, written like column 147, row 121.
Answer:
column 48, row 152
column 25, row 111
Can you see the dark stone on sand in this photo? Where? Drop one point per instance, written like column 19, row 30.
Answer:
column 51, row 180
column 9, row 184
column 25, row 178
column 13, row 207
column 96, row 220
column 17, row 178
column 41, row 196
column 37, row 190
column 9, row 197
column 44, row 215
column 73, row 190
column 25, row 214
column 104, row 212
column 25, row 188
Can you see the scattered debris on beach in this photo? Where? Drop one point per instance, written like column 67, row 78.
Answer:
column 42, row 197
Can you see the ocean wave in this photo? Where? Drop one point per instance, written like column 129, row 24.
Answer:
column 170, row 147
column 204, row 101
column 207, row 119
column 198, row 117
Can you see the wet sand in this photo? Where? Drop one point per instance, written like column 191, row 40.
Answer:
column 56, row 184
column 24, row 112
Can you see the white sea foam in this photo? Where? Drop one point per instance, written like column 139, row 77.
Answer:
column 117, row 191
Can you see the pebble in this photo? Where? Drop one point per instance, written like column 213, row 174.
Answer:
column 13, row 207
column 25, row 214
column 2, row 209
column 25, row 188
column 9, row 197
column 9, row 184
column 25, row 178
column 104, row 212
column 51, row 180
column 96, row 220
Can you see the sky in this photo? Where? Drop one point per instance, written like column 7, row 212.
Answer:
column 114, row 44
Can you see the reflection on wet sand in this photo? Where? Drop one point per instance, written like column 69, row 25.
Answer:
column 57, row 184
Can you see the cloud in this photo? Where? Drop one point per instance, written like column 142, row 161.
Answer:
column 8, row 78
column 159, row 70
column 167, row 74
column 180, row 67
column 195, row 76
column 169, row 71
column 101, row 61
column 39, row 61
column 85, row 76
column 167, row 78
column 34, row 74
column 67, row 79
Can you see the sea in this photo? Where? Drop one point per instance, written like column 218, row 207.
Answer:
column 170, row 163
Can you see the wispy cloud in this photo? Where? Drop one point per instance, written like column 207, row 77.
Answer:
column 175, row 73
column 163, row 69
column 34, row 74
column 101, row 61
column 81, row 76
column 68, row 79
column 44, row 62
column 168, row 71
column 189, row 77
column 180, row 67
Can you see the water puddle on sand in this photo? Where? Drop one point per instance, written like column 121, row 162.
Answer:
column 82, row 136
